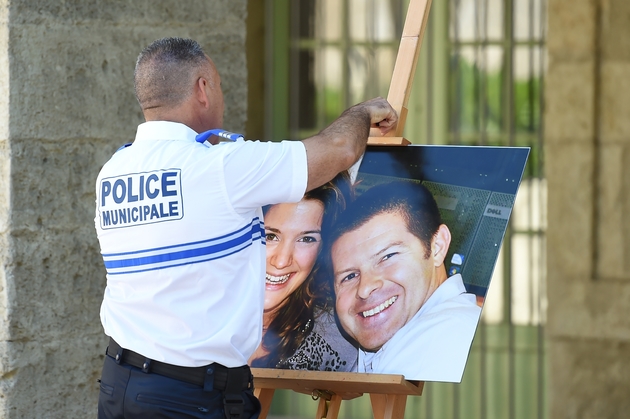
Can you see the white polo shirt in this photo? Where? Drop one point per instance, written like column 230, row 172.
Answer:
column 434, row 345
column 182, row 237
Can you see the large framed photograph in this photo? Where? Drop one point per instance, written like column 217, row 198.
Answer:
column 385, row 269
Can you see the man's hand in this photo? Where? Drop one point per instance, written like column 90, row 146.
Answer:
column 342, row 143
column 382, row 115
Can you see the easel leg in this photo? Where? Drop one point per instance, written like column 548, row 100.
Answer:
column 328, row 409
column 265, row 395
column 395, row 408
column 322, row 408
column 334, row 405
column 378, row 405
column 388, row 406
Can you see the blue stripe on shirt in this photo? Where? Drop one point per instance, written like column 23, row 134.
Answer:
column 187, row 253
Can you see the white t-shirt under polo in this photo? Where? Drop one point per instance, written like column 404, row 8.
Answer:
column 182, row 237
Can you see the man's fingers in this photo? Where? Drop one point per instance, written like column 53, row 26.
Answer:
column 387, row 124
column 385, row 130
column 376, row 132
column 383, row 116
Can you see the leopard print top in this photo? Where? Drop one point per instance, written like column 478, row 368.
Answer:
column 324, row 349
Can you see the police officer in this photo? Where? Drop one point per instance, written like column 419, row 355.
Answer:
column 181, row 231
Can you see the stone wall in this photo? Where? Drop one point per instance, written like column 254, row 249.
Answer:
column 588, row 171
column 66, row 104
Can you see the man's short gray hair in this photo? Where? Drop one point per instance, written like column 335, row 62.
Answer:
column 165, row 70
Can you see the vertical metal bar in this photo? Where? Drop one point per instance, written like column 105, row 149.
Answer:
column 456, row 395
column 542, row 289
column 509, row 74
column 509, row 26
column 294, row 72
column 483, row 406
column 372, row 70
column 484, row 78
column 278, row 51
column 429, row 39
column 483, row 376
column 532, row 45
column 534, row 236
column 440, row 67
column 534, row 239
column 269, row 70
column 319, row 9
column 372, row 87
column 476, row 73
column 455, row 123
column 324, row 47
column 345, row 53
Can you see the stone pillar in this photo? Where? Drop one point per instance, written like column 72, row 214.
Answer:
column 588, row 171
column 66, row 104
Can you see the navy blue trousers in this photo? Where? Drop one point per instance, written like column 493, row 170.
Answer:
column 128, row 393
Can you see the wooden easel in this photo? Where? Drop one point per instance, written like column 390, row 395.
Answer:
column 388, row 393
column 405, row 69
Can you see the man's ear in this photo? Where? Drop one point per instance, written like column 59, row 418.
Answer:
column 201, row 92
column 439, row 244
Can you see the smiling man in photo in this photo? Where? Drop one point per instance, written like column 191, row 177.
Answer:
column 393, row 295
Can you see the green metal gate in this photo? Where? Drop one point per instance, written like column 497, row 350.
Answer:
column 479, row 81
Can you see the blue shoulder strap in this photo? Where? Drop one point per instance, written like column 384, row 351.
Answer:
column 123, row 146
column 201, row 138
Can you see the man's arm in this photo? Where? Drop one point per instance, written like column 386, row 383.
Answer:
column 337, row 147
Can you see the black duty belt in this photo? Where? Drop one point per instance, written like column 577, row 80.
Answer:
column 239, row 378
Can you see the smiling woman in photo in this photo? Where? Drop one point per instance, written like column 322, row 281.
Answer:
column 299, row 328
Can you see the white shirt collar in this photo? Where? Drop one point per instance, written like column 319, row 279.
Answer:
column 453, row 285
column 164, row 130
